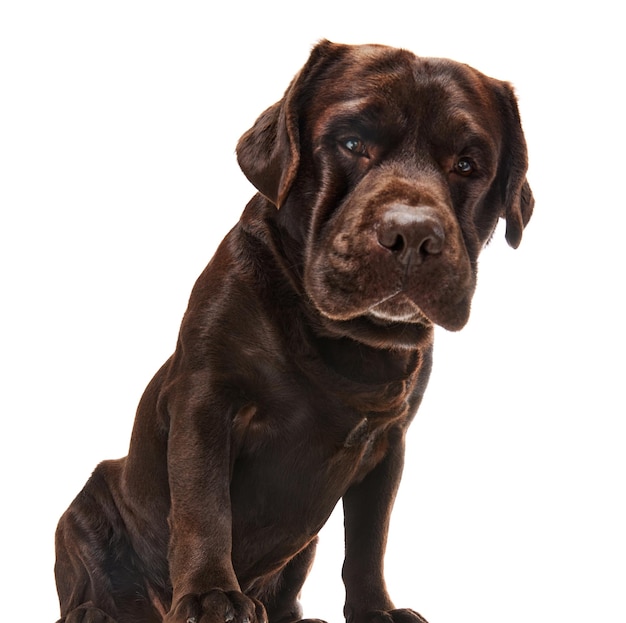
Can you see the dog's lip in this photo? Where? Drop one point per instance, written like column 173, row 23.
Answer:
column 451, row 315
column 397, row 307
column 400, row 307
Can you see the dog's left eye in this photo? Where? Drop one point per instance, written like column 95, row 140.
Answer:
column 464, row 166
column 356, row 146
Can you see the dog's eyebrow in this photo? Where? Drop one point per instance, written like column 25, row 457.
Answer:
column 363, row 110
column 465, row 127
column 353, row 105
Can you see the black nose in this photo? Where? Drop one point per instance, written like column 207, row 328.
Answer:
column 411, row 233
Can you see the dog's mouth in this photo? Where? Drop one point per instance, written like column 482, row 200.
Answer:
column 443, row 298
column 398, row 308
column 402, row 308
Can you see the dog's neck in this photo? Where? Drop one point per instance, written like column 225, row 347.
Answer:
column 364, row 364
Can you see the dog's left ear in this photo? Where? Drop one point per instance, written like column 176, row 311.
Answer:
column 269, row 152
column 516, row 195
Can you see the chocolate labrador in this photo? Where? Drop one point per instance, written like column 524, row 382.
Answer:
column 305, row 350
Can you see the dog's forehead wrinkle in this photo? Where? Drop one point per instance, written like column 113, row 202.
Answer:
column 451, row 87
column 371, row 112
column 348, row 110
column 416, row 97
column 424, row 117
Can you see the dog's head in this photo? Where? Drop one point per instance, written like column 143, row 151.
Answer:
column 391, row 171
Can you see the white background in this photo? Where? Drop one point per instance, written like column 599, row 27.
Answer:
column 118, row 122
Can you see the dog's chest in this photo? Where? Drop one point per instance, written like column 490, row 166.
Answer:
column 308, row 452
column 286, row 481
column 298, row 446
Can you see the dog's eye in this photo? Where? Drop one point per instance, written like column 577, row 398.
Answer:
column 464, row 166
column 356, row 146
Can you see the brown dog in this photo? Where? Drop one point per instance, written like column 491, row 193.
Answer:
column 305, row 350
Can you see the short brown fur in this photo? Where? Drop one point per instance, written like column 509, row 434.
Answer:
column 305, row 350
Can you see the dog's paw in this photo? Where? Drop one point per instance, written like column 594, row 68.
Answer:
column 401, row 615
column 217, row 606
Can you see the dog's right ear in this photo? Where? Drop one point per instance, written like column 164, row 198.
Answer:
column 269, row 152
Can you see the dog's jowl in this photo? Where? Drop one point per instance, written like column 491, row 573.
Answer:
column 305, row 350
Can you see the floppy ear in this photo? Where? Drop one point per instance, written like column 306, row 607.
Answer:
column 516, row 195
column 269, row 152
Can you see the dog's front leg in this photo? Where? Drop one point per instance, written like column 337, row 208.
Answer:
column 367, row 510
column 205, row 587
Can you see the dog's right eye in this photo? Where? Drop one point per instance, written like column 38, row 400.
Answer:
column 464, row 167
column 356, row 146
